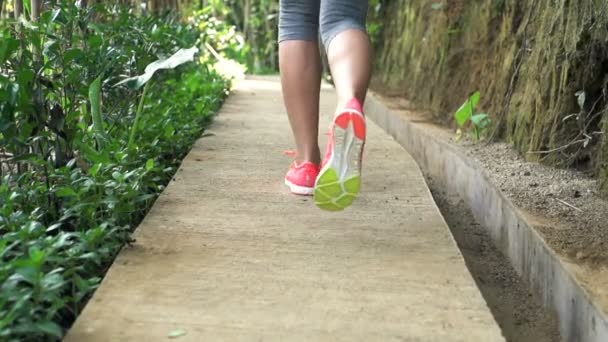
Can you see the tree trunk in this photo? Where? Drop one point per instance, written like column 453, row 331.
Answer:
column 18, row 8
column 36, row 7
column 246, row 21
column 152, row 6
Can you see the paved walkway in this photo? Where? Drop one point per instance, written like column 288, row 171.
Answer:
column 227, row 254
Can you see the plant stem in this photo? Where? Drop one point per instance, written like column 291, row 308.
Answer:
column 472, row 109
column 140, row 108
column 95, row 99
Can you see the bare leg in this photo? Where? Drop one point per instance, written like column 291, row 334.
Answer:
column 350, row 58
column 300, row 66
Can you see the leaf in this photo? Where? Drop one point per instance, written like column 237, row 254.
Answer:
column 49, row 328
column 481, row 121
column 53, row 281
column 27, row 274
column 169, row 131
column 176, row 333
column 66, row 192
column 50, row 48
column 92, row 256
column 150, row 164
column 37, row 256
column 34, row 227
column 180, row 57
column 25, row 76
column 15, row 196
column 54, row 227
column 91, row 154
column 95, row 169
column 72, row 54
column 7, row 47
column 144, row 198
column 467, row 110
column 55, row 15
column 95, row 41
column 581, row 97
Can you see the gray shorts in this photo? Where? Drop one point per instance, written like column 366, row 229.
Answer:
column 306, row 19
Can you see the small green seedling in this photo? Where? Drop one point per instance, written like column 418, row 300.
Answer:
column 466, row 115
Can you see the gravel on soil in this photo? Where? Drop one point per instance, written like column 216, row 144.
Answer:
column 568, row 200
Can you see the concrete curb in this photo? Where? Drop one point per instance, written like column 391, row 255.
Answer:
column 580, row 319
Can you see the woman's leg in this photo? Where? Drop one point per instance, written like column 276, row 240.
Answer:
column 300, row 65
column 348, row 47
column 343, row 31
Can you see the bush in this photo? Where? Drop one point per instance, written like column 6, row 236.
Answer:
column 72, row 189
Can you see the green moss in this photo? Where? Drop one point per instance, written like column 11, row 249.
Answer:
column 528, row 59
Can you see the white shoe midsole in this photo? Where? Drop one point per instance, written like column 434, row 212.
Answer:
column 299, row 190
column 345, row 157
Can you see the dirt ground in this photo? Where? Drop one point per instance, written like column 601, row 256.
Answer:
column 518, row 311
column 567, row 200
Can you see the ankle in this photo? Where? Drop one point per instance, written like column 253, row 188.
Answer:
column 310, row 156
column 349, row 103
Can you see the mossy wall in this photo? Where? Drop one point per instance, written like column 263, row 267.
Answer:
column 528, row 59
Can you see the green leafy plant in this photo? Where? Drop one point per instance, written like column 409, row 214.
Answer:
column 72, row 186
column 466, row 116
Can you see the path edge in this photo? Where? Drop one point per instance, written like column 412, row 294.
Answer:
column 580, row 319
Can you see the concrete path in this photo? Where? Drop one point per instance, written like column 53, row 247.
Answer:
column 226, row 254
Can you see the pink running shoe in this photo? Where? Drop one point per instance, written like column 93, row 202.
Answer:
column 301, row 178
column 339, row 180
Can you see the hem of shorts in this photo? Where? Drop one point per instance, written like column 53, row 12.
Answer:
column 350, row 26
column 290, row 38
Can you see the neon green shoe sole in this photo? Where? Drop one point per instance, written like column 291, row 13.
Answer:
column 332, row 195
column 339, row 181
